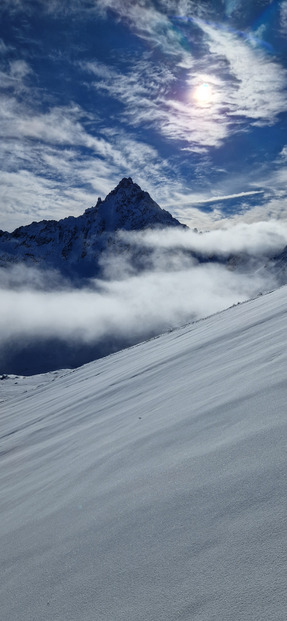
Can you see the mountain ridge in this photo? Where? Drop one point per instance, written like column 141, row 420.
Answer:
column 76, row 243
column 78, row 246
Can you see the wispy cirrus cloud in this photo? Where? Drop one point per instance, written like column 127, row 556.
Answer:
column 4, row 48
column 52, row 165
column 228, row 197
column 245, row 87
column 151, row 22
column 255, row 85
column 53, row 160
column 272, row 208
column 250, row 76
column 13, row 76
column 283, row 16
column 146, row 93
column 51, row 181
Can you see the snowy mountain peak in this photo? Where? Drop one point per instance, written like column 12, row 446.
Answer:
column 126, row 182
column 129, row 207
column 128, row 187
column 74, row 245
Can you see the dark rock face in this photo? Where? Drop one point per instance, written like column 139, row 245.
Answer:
column 74, row 245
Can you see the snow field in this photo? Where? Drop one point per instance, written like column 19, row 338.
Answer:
column 151, row 484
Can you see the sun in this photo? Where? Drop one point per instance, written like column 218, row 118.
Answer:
column 203, row 93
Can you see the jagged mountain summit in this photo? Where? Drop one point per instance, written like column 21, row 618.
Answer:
column 75, row 244
column 128, row 207
column 81, row 247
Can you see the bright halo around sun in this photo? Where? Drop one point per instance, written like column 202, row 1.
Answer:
column 203, row 93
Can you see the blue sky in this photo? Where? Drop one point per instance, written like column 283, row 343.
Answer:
column 188, row 98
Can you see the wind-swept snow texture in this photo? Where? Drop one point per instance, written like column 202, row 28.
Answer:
column 152, row 485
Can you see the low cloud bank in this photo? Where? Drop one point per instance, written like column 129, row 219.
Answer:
column 255, row 239
column 137, row 305
column 130, row 306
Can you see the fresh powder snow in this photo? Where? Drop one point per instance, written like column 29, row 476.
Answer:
column 151, row 485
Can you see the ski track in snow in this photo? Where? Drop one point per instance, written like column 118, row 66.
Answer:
column 151, row 485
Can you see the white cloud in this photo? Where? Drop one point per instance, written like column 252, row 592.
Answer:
column 4, row 48
column 283, row 154
column 283, row 16
column 19, row 69
column 275, row 209
column 252, row 89
column 45, row 173
column 257, row 239
column 28, row 196
column 60, row 125
column 255, row 88
column 13, row 77
column 231, row 6
column 146, row 92
column 144, row 18
column 229, row 196
column 152, row 24
column 132, row 308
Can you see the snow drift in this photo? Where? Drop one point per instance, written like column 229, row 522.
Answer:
column 152, row 484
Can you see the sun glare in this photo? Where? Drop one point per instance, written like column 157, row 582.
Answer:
column 203, row 93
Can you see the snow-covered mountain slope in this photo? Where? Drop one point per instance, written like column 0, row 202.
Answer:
column 100, row 243
column 74, row 245
column 151, row 484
